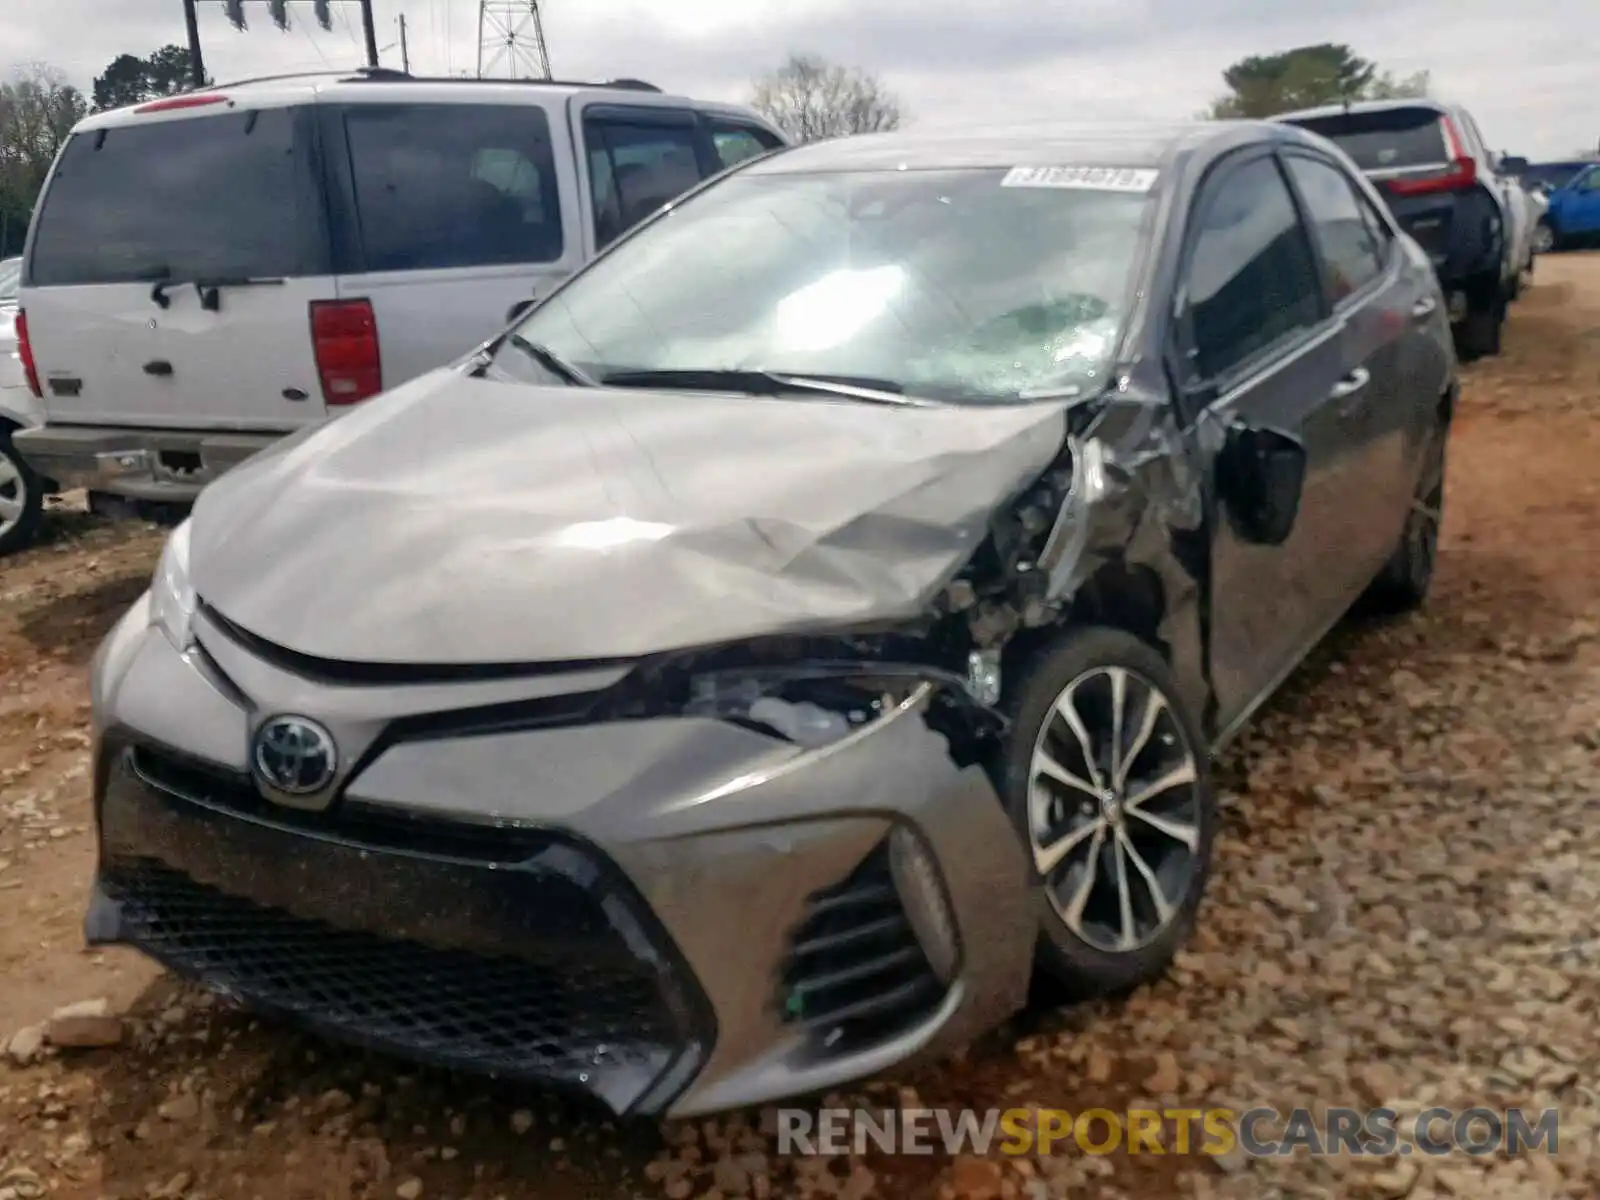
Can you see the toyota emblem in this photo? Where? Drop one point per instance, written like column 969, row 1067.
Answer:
column 295, row 756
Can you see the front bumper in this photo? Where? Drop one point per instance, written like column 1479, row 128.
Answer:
column 675, row 916
column 164, row 466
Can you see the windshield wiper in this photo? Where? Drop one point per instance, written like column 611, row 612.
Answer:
column 758, row 382
column 544, row 356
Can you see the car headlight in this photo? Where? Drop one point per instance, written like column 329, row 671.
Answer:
column 172, row 596
column 809, row 709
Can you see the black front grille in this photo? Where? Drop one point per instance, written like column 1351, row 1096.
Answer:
column 562, row 1020
column 544, row 964
column 368, row 824
column 855, row 971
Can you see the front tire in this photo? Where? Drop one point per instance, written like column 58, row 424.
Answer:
column 21, row 498
column 1108, row 784
column 1545, row 240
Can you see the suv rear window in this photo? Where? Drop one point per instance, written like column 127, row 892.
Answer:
column 206, row 197
column 453, row 185
column 1382, row 141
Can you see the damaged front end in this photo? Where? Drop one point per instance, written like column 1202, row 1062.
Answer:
column 1111, row 531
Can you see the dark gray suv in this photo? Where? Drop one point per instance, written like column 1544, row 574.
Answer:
column 812, row 618
column 1449, row 191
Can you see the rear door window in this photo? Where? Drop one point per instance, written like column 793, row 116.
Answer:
column 736, row 142
column 453, row 185
column 204, row 197
column 1338, row 223
column 1388, row 140
column 638, row 162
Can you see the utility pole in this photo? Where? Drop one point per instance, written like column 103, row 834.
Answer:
column 511, row 40
column 405, row 58
column 191, row 21
column 371, row 31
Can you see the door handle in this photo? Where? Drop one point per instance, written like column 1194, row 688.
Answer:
column 1423, row 308
column 1351, row 384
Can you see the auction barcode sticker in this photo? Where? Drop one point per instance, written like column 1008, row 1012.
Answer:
column 1097, row 179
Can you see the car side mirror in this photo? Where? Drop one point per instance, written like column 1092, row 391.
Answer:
column 1513, row 164
column 1261, row 475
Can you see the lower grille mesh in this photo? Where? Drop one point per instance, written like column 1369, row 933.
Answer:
column 557, row 1021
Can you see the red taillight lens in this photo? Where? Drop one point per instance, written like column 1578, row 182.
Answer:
column 25, row 353
column 344, row 337
column 1462, row 172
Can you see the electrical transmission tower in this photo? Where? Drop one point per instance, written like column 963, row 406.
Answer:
column 511, row 40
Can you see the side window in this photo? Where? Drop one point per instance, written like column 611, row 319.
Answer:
column 1251, row 279
column 453, row 185
column 1380, row 230
column 736, row 142
column 1340, row 227
column 635, row 168
column 1589, row 181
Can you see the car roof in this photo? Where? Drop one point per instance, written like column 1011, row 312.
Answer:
column 1139, row 145
column 273, row 91
column 1356, row 107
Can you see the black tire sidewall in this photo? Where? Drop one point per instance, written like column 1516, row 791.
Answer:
column 20, row 535
column 1070, row 963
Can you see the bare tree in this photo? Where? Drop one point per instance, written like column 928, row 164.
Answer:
column 38, row 108
column 810, row 98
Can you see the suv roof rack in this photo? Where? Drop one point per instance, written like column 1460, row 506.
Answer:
column 387, row 75
column 231, row 83
column 391, row 75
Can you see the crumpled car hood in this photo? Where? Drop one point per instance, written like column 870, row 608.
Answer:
column 460, row 520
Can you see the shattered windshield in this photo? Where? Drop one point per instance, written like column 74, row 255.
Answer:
column 948, row 285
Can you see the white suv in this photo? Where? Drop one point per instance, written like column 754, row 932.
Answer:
column 208, row 272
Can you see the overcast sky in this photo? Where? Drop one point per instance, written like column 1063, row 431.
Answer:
column 1527, row 69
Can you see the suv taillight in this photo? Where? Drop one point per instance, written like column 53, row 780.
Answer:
column 1462, row 172
column 25, row 353
column 344, row 337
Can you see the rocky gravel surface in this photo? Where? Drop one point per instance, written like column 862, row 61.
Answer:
column 1403, row 913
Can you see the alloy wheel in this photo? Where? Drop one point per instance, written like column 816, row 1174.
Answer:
column 1544, row 239
column 1114, row 809
column 1427, row 512
column 13, row 494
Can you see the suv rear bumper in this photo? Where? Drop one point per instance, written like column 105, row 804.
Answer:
column 137, row 464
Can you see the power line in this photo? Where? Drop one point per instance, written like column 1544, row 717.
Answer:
column 279, row 12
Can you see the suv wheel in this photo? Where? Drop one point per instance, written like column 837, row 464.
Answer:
column 21, row 498
column 1544, row 238
column 1108, row 784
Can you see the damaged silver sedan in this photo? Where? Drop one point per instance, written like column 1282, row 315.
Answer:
column 809, row 622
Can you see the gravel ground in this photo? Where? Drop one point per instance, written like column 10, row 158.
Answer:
column 1402, row 912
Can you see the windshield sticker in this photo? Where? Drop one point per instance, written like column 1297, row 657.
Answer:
column 1094, row 179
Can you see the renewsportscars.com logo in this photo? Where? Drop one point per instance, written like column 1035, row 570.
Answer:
column 1256, row 1132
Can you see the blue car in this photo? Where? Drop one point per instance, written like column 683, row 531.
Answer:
column 1574, row 214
